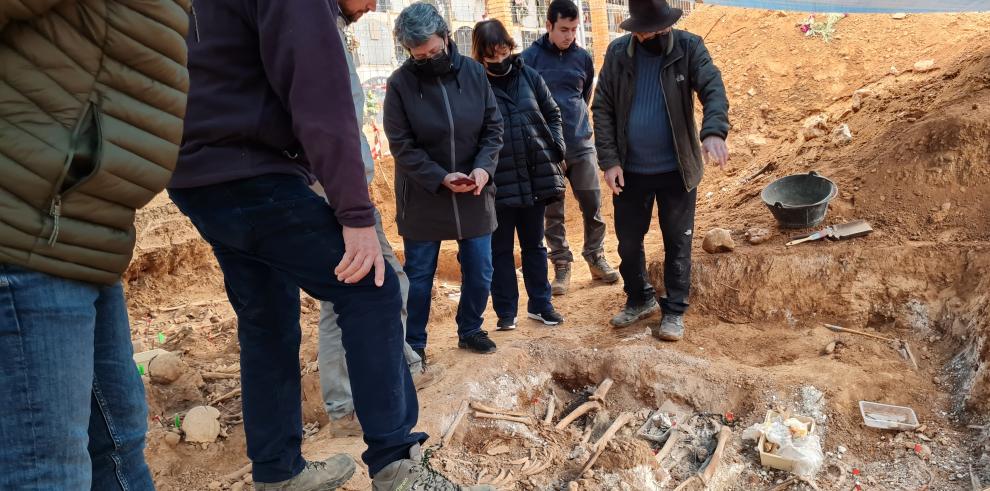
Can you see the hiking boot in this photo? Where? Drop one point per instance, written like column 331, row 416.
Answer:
column 551, row 318
column 345, row 427
column 506, row 324
column 561, row 278
column 479, row 343
column 631, row 315
column 327, row 475
column 415, row 474
column 671, row 328
column 601, row 271
column 428, row 376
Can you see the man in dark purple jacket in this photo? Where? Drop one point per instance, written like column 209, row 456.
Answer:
column 270, row 112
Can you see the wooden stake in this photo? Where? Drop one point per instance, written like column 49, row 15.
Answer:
column 500, row 417
column 708, row 472
column 477, row 406
column 463, row 410
column 577, row 413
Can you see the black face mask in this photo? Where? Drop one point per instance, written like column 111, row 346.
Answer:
column 436, row 66
column 499, row 69
column 656, row 45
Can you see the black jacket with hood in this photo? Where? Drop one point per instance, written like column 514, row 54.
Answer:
column 529, row 165
column 436, row 126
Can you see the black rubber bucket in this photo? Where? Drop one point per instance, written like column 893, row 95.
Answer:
column 799, row 200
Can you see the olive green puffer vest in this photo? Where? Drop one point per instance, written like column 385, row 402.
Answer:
column 92, row 96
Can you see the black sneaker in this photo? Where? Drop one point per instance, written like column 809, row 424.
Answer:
column 551, row 318
column 506, row 324
column 479, row 343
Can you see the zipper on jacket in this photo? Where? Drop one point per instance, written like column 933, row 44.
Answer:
column 670, row 121
column 55, row 205
column 453, row 160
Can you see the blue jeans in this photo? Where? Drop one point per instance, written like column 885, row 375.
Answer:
column 475, row 256
column 528, row 224
column 272, row 235
column 74, row 413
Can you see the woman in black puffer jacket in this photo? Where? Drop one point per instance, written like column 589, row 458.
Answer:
column 528, row 175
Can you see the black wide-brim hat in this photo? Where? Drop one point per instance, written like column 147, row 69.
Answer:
column 650, row 16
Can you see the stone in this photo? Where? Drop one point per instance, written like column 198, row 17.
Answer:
column 214, row 485
column 829, row 349
column 751, row 92
column 718, row 240
column 757, row 236
column 841, row 449
column 841, row 134
column 756, row 140
column 237, row 486
column 924, row 66
column 898, row 16
column 573, row 486
column 814, row 127
column 588, row 474
column 172, row 439
column 166, row 368
column 202, row 424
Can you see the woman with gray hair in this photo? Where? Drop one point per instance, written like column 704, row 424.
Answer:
column 445, row 132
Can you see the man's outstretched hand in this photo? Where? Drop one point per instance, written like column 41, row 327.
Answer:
column 716, row 150
column 362, row 252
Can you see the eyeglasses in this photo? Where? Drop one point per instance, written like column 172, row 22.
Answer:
column 432, row 55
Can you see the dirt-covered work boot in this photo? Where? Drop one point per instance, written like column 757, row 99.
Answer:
column 631, row 315
column 601, row 271
column 671, row 328
column 415, row 474
column 561, row 278
column 327, row 475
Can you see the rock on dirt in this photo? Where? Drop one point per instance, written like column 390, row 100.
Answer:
column 172, row 439
column 830, row 348
column 898, row 16
column 166, row 368
column 814, row 127
column 718, row 240
column 757, row 236
column 841, row 134
column 202, row 424
column 924, row 66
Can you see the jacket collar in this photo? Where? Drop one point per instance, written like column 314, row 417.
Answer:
column 544, row 42
column 674, row 51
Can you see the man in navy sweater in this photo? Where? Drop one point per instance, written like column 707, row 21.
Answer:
column 270, row 113
column 570, row 73
column 652, row 150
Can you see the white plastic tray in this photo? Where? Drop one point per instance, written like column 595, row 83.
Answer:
column 887, row 417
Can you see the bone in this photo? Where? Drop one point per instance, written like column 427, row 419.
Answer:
column 477, row 406
column 577, row 413
column 238, row 474
column 500, row 417
column 602, row 442
column 668, row 446
column 536, row 469
column 453, row 426
column 708, row 472
column 229, row 395
column 219, row 375
column 602, row 391
column 551, row 407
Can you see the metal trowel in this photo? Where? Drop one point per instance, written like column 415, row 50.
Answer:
column 857, row 228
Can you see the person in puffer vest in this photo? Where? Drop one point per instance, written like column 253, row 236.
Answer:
column 528, row 177
column 91, row 104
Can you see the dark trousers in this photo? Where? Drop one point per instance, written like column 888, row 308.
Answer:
column 475, row 257
column 272, row 235
column 528, row 224
column 633, row 214
column 582, row 172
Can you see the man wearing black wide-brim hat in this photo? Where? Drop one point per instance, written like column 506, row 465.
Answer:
column 651, row 150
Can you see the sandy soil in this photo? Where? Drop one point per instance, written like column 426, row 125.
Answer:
column 917, row 167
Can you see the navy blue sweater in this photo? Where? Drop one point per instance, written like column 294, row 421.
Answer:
column 570, row 75
column 270, row 93
column 651, row 149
